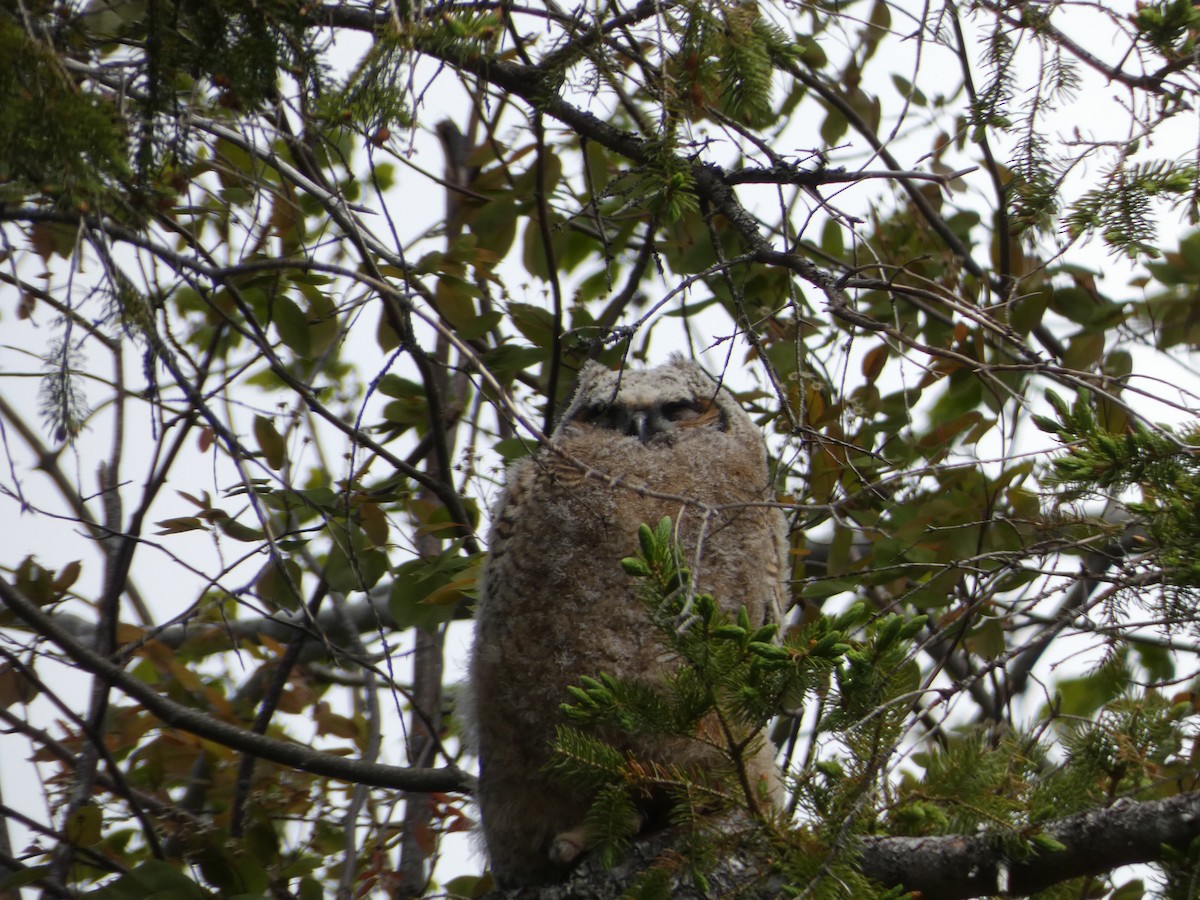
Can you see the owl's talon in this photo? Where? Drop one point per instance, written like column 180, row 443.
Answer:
column 568, row 845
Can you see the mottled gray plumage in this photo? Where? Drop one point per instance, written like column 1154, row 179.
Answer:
column 556, row 604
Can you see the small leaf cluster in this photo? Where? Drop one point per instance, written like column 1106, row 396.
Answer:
column 1181, row 871
column 865, row 713
column 990, row 109
column 733, row 664
column 1121, row 209
column 1171, row 27
column 371, row 96
column 875, row 671
column 62, row 401
column 1126, row 750
column 964, row 781
column 1011, row 785
column 726, row 61
column 1158, row 462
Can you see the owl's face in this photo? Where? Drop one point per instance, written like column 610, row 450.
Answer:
column 654, row 406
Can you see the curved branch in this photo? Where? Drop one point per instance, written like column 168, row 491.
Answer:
column 792, row 173
column 176, row 715
column 1154, row 83
column 328, row 628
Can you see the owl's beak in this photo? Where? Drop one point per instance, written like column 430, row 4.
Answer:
column 639, row 426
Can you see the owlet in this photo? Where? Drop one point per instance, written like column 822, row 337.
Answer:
column 557, row 605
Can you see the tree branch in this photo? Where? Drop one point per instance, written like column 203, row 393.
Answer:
column 1097, row 841
column 947, row 867
column 176, row 715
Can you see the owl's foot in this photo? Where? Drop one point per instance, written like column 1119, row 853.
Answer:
column 567, row 846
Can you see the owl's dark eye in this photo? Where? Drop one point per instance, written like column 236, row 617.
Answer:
column 602, row 415
column 592, row 413
column 683, row 410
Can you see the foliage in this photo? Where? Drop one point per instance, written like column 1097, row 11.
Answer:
column 83, row 150
column 285, row 287
column 1156, row 461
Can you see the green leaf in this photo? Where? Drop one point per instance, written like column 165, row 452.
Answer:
column 1052, row 426
column 414, row 581
column 324, row 328
column 1084, row 351
column 278, row 584
column 646, row 540
column 508, row 360
column 495, row 225
column 1189, row 249
column 635, row 567
column 1134, row 889
column 1028, row 311
column 357, row 570
column 534, row 256
column 907, row 90
column 986, row 639
column 534, row 322
column 180, row 525
column 393, row 385
column 834, row 127
column 831, row 239
column 1047, row 843
column 828, row 587
column 151, row 879
column 454, row 299
column 270, row 442
column 239, row 532
column 935, row 592
column 83, row 827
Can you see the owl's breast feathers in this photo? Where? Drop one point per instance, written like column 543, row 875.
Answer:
column 571, row 514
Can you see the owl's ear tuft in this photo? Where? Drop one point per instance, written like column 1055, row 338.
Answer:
column 679, row 361
column 576, row 408
column 589, row 370
column 589, row 373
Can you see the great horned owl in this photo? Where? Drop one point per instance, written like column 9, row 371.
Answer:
column 557, row 605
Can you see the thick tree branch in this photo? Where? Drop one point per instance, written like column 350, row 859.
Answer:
column 951, row 867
